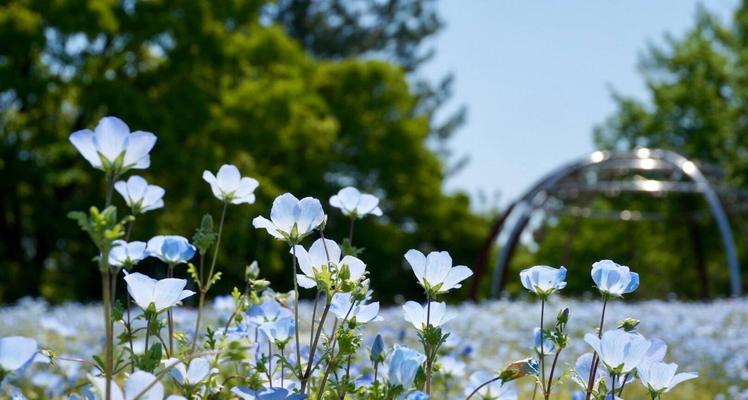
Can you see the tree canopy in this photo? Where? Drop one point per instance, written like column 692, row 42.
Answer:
column 217, row 82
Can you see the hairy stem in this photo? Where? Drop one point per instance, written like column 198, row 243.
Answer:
column 488, row 382
column 595, row 358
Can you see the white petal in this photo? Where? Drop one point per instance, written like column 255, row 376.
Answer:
column 262, row 222
column 349, row 198
column 168, row 292
column 414, row 313
column 305, row 282
column 141, row 288
column 228, row 178
column 356, row 267
column 139, row 144
column 198, row 370
column 100, row 386
column 366, row 204
column 138, row 382
column 320, row 250
column 211, row 179
column 110, row 137
column 84, row 143
column 455, row 276
column 283, row 211
column 310, row 215
column 417, row 262
column 16, row 351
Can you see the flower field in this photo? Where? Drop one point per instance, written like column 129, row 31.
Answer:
column 706, row 337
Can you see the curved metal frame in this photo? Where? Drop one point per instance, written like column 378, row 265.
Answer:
column 537, row 195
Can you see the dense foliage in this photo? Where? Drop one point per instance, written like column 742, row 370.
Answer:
column 221, row 81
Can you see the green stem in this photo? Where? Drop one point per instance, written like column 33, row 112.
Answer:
column 109, row 350
column 542, row 348
column 350, row 231
column 488, row 382
column 296, row 312
column 169, row 316
column 200, row 303
column 595, row 358
column 218, row 244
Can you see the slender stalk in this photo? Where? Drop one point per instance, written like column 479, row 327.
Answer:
column 200, row 303
column 595, row 358
column 429, row 359
column 314, row 317
column 129, row 332
column 283, row 368
column 218, row 244
column 334, row 357
column 312, row 349
column 613, row 385
column 147, row 330
column 350, row 231
column 270, row 364
column 488, row 382
column 108, row 348
column 535, row 390
column 169, row 316
column 623, row 384
column 550, row 377
column 542, row 348
column 296, row 311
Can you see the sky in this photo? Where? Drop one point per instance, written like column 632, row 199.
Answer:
column 537, row 76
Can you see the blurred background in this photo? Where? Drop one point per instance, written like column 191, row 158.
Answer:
column 447, row 110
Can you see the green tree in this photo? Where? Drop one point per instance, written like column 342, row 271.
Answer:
column 698, row 89
column 217, row 84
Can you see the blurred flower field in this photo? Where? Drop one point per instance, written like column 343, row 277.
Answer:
column 711, row 338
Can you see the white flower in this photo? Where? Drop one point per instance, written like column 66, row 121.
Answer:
column 292, row 219
column 198, row 370
column 543, row 280
column 660, row 377
column 342, row 306
column 228, row 185
column 355, row 204
column 112, row 148
column 417, row 314
column 620, row 351
column 435, row 272
column 171, row 249
column 581, row 372
column 613, row 279
column 125, row 254
column 134, row 386
column 161, row 294
column 139, row 195
column 278, row 331
column 16, row 352
column 316, row 260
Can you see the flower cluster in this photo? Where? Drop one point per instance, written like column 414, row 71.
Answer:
column 266, row 345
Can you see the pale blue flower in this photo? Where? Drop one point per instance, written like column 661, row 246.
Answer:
column 292, row 219
column 620, row 351
column 229, row 185
column 659, row 377
column 415, row 395
column 417, row 314
column 171, row 249
column 16, row 352
column 355, row 204
column 451, row 366
column 275, row 393
column 126, row 255
column 613, row 279
column 435, row 272
column 161, row 294
column 269, row 310
column 278, row 331
column 198, row 370
column 543, row 280
column 496, row 390
column 139, row 195
column 135, row 384
column 325, row 255
column 548, row 345
column 403, row 366
column 112, row 148
column 342, row 306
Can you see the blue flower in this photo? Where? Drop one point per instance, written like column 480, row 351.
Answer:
column 171, row 249
column 543, row 280
column 435, row 272
column 416, row 395
column 659, row 377
column 613, row 279
column 126, row 255
column 355, row 204
column 417, row 314
column 112, row 148
column 403, row 366
column 342, row 306
column 229, row 185
column 139, row 195
column 279, row 331
column 292, row 219
column 269, row 310
column 266, row 394
column 548, row 345
column 620, row 351
column 16, row 352
column 161, row 294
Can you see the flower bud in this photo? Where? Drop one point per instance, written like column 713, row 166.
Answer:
column 628, row 324
column 376, row 355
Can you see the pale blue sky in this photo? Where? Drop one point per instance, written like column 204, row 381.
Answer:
column 536, row 76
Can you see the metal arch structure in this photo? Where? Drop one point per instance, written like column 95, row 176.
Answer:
column 552, row 184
